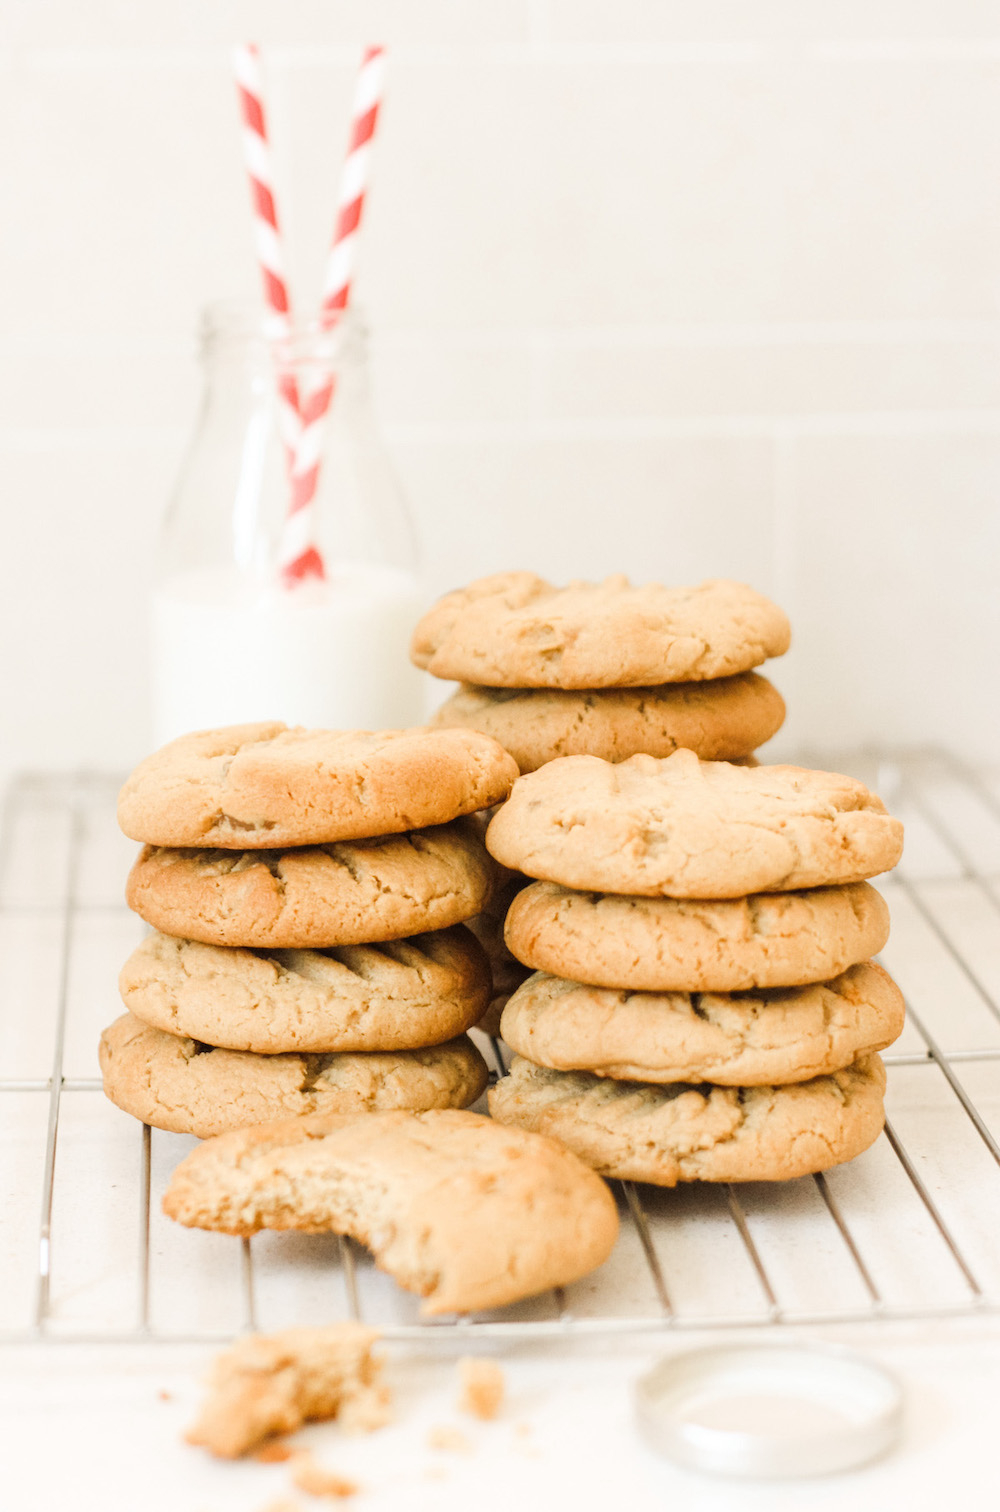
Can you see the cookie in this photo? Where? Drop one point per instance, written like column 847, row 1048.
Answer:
column 506, row 972
column 719, row 720
column 746, row 1039
column 458, row 1209
column 515, row 630
column 488, row 926
column 396, row 996
column 273, row 1383
column 354, row 892
column 693, row 945
column 190, row 1088
column 263, row 786
column 684, row 828
column 677, row 1133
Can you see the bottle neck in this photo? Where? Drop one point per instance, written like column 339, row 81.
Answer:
column 286, row 426
column 238, row 339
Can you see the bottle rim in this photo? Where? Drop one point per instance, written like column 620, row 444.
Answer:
column 244, row 326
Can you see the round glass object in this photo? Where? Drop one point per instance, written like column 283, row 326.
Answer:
column 769, row 1410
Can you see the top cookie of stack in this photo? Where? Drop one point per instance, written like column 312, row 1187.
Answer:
column 606, row 669
column 257, row 786
column 309, row 888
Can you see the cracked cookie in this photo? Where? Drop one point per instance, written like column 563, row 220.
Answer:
column 735, row 1040
column 187, row 1087
column 266, row 786
column 667, row 1134
column 464, row 1212
column 719, row 720
column 349, row 893
column 395, row 996
column 694, row 945
column 515, row 630
column 685, row 828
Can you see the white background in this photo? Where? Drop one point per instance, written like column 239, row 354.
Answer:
column 676, row 289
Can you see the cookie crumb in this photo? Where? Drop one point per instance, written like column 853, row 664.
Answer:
column 271, row 1383
column 367, row 1410
column 273, row 1453
column 451, row 1439
column 283, row 1504
column 523, row 1430
column 310, row 1477
column 165, row 1396
column 482, row 1387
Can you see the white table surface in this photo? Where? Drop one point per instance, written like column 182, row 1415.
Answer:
column 90, row 1429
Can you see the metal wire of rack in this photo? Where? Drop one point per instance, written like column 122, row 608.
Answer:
column 905, row 1231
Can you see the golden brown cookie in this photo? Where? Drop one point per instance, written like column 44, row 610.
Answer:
column 190, row 1088
column 684, row 828
column 720, row 720
column 745, row 1039
column 677, row 1133
column 515, row 630
column 507, row 973
column 395, row 996
column 694, row 945
column 458, row 1209
column 264, row 786
column 354, row 892
column 488, row 926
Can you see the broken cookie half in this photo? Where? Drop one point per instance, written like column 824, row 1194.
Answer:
column 466, row 1213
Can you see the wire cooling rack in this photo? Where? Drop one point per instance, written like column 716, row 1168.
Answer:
column 908, row 1230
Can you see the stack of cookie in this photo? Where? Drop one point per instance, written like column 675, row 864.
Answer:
column 307, row 891
column 600, row 669
column 606, row 669
column 703, row 1005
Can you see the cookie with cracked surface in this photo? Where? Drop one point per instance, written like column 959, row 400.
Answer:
column 667, row 1134
column 399, row 995
column 263, row 786
column 273, row 1383
column 746, row 1039
column 515, row 630
column 682, row 828
column 720, row 720
column 187, row 1087
column 350, row 893
column 464, row 1212
column 695, row 945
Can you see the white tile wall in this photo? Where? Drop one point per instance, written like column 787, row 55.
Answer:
column 568, row 505
column 896, row 540
column 645, row 22
column 680, row 289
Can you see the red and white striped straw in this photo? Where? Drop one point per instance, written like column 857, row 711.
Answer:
column 354, row 181
column 257, row 156
column 300, row 525
column 270, row 255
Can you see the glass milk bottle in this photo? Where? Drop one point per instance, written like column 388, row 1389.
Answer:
column 243, row 627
